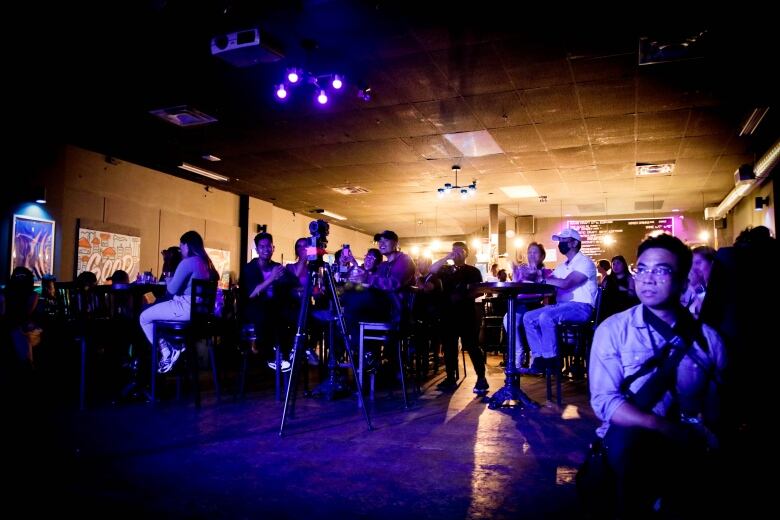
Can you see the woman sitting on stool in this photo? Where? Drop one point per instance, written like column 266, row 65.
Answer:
column 196, row 265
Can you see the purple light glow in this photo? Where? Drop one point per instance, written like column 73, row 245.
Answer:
column 322, row 98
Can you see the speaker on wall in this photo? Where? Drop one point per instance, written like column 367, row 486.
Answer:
column 720, row 223
column 524, row 224
column 262, row 228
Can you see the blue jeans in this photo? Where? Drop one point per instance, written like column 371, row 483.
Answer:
column 540, row 325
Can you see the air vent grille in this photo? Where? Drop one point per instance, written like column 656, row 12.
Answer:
column 351, row 190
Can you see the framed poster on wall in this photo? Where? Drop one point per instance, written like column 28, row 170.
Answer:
column 103, row 248
column 221, row 260
column 33, row 245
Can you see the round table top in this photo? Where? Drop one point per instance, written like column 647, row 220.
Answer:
column 511, row 288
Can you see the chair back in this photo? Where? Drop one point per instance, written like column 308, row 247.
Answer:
column 66, row 299
column 204, row 299
column 597, row 306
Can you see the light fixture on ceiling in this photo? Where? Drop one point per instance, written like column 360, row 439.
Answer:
column 39, row 195
column 298, row 78
column 745, row 179
column 753, row 120
column 329, row 214
column 465, row 191
column 731, row 200
column 204, row 173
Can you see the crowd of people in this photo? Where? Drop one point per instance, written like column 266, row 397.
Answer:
column 671, row 368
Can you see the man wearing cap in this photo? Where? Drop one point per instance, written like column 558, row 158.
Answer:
column 575, row 280
column 383, row 299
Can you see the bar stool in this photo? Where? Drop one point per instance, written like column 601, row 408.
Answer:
column 385, row 332
column 204, row 295
column 574, row 340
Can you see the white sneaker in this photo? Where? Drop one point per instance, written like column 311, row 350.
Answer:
column 168, row 356
column 165, row 363
column 285, row 365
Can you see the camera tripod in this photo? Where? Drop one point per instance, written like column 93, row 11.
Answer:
column 299, row 344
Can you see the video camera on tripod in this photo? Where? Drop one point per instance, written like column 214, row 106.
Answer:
column 315, row 249
column 319, row 230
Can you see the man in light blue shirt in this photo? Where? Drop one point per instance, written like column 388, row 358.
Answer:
column 655, row 447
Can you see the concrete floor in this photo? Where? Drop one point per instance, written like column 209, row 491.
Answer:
column 448, row 456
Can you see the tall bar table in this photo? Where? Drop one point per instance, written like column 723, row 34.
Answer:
column 511, row 390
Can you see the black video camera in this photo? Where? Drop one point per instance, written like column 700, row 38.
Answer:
column 319, row 230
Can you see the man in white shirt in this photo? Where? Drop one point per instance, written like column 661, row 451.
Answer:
column 576, row 284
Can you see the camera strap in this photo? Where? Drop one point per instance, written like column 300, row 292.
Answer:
column 665, row 362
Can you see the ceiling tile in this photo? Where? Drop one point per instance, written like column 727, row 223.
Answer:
column 604, row 68
column 432, row 147
column 472, row 70
column 536, row 75
column 541, row 160
column 662, row 125
column 607, row 98
column 611, row 129
column 657, row 151
column 572, row 157
column 449, row 115
column 563, row 134
column 551, row 103
column 518, row 139
column 499, row 110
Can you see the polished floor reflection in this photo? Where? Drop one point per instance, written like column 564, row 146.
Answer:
column 447, row 457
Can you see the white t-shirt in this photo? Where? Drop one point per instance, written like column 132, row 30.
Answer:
column 585, row 293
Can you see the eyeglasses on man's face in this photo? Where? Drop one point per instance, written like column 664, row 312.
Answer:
column 659, row 272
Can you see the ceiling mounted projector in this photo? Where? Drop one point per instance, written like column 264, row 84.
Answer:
column 246, row 48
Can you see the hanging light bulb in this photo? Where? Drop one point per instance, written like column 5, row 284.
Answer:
column 322, row 98
column 337, row 83
column 281, row 92
column 293, row 76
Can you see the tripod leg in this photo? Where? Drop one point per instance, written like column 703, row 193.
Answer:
column 401, row 366
column 343, row 329
column 300, row 335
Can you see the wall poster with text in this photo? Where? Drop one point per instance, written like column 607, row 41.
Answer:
column 103, row 252
column 33, row 245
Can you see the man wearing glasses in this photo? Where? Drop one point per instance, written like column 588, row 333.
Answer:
column 576, row 284
column 655, row 439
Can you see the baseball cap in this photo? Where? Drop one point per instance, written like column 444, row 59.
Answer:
column 389, row 235
column 567, row 233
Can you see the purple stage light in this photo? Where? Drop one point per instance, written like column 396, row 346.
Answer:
column 337, row 83
column 281, row 93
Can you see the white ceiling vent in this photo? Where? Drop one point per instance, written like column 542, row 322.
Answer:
column 351, row 190
column 183, row 115
column 645, row 169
